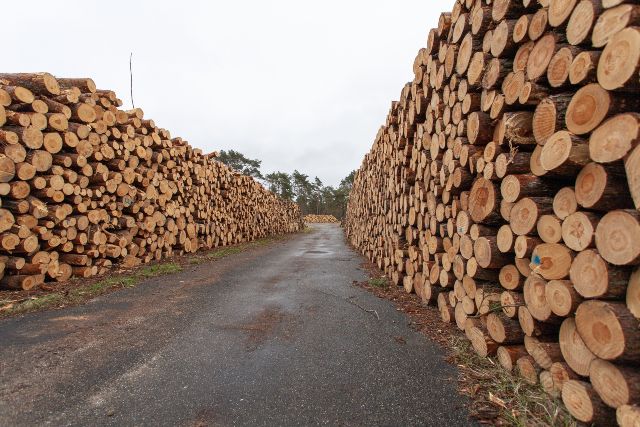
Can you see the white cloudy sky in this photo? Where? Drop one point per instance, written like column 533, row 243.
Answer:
column 300, row 85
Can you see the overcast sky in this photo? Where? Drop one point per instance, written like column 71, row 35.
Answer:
column 299, row 85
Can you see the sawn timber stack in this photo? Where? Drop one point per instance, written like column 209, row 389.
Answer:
column 504, row 188
column 85, row 185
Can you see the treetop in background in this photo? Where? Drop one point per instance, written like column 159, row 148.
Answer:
column 239, row 162
column 311, row 194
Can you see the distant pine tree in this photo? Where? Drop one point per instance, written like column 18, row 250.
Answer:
column 242, row 164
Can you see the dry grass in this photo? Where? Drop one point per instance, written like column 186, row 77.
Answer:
column 502, row 398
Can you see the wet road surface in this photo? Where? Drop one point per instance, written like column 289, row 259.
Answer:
column 274, row 336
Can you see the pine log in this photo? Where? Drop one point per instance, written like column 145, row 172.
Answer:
column 552, row 261
column 549, row 228
column 612, row 21
column 545, row 353
column 565, row 203
column 574, row 350
column 628, row 416
column 632, row 169
column 510, row 302
column 508, row 355
column 525, row 213
column 528, row 369
column 616, row 385
column 578, row 230
column 584, row 404
column 562, row 297
column 583, row 69
column 591, row 104
column 582, row 20
column 609, row 330
column 564, row 154
column 618, row 237
column 614, row 138
column 592, row 277
column 510, row 278
column 633, row 294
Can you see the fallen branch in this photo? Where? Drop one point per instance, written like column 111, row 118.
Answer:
column 374, row 312
column 348, row 299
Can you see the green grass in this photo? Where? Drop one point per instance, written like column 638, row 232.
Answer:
column 232, row 250
column 85, row 292
column 524, row 404
column 98, row 288
column 264, row 241
column 379, row 282
column 221, row 253
column 159, row 269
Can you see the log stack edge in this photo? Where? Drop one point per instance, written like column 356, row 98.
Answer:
column 504, row 190
column 85, row 186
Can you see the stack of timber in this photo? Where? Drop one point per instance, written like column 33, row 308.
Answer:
column 85, row 185
column 320, row 218
column 504, row 188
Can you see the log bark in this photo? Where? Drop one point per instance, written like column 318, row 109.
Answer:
column 633, row 294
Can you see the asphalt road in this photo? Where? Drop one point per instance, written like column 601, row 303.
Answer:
column 275, row 336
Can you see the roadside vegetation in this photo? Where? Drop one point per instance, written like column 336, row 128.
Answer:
column 83, row 292
column 79, row 291
column 502, row 396
column 379, row 282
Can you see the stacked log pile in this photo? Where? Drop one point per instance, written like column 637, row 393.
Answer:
column 320, row 218
column 85, row 185
column 504, row 189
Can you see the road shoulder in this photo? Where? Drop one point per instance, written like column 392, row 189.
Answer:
column 78, row 291
column 495, row 395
